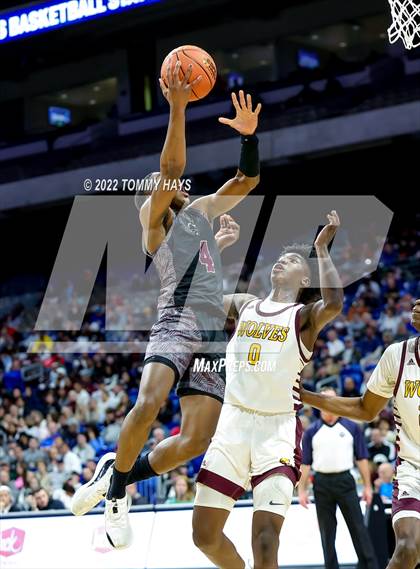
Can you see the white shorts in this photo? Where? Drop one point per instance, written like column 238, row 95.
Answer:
column 406, row 495
column 248, row 448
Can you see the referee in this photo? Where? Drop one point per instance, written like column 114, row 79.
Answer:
column 330, row 446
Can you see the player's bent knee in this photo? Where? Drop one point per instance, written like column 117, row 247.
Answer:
column 146, row 409
column 265, row 545
column 194, row 445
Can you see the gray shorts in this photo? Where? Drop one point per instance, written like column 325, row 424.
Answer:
column 183, row 339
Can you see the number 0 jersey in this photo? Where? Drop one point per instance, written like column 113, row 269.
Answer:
column 265, row 357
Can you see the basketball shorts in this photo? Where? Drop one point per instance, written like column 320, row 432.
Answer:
column 248, row 450
column 193, row 344
column 406, row 494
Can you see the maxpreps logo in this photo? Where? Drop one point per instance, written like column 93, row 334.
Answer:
column 11, row 541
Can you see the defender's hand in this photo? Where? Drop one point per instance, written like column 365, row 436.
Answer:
column 328, row 232
column 228, row 233
column 246, row 120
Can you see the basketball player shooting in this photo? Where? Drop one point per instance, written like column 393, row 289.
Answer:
column 397, row 375
column 179, row 238
column 258, row 436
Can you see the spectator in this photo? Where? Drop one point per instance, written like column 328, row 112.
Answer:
column 65, row 494
column 182, row 491
column 43, row 501
column 334, row 344
column 349, row 388
column 72, row 462
column 33, row 454
column 383, row 484
column 83, row 449
column 370, row 342
column 379, row 449
column 350, row 354
column 136, row 498
column 6, row 501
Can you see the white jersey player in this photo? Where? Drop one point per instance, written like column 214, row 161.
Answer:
column 258, row 438
column 397, row 375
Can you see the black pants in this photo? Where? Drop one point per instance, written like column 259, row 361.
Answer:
column 339, row 489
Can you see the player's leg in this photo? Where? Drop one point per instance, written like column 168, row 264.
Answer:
column 348, row 502
column 201, row 397
column 406, row 517
column 110, row 478
column 272, row 498
column 200, row 414
column 208, row 535
column 407, row 544
column 156, row 383
column 157, row 380
column 222, row 479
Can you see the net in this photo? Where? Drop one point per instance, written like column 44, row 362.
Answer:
column 405, row 22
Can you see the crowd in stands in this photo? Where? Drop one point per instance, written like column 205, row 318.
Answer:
column 59, row 413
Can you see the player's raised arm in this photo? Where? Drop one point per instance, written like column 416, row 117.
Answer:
column 248, row 173
column 173, row 155
column 315, row 316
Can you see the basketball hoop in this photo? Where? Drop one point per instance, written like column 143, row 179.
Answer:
column 405, row 22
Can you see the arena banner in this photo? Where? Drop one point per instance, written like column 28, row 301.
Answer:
column 45, row 16
column 163, row 540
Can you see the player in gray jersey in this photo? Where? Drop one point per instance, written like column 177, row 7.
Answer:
column 178, row 236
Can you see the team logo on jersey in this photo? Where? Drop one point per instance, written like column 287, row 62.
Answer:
column 263, row 331
column 189, row 226
column 285, row 461
column 411, row 362
column 411, row 388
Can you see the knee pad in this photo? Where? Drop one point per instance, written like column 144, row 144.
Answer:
column 210, row 498
column 274, row 494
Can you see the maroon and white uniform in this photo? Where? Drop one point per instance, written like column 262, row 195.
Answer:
column 258, row 434
column 398, row 375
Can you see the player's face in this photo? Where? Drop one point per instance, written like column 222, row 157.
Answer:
column 290, row 269
column 181, row 198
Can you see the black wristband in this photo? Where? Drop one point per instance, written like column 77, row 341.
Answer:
column 249, row 163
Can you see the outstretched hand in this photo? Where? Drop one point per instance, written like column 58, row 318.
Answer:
column 228, row 233
column 326, row 235
column 246, row 120
column 177, row 91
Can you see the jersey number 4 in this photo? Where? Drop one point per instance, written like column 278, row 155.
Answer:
column 205, row 257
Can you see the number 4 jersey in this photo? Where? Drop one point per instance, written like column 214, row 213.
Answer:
column 189, row 265
column 265, row 357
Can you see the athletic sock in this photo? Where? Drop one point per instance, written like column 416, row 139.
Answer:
column 118, row 484
column 141, row 470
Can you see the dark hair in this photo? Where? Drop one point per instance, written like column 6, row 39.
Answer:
column 309, row 294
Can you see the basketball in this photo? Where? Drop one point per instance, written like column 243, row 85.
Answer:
column 203, row 64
